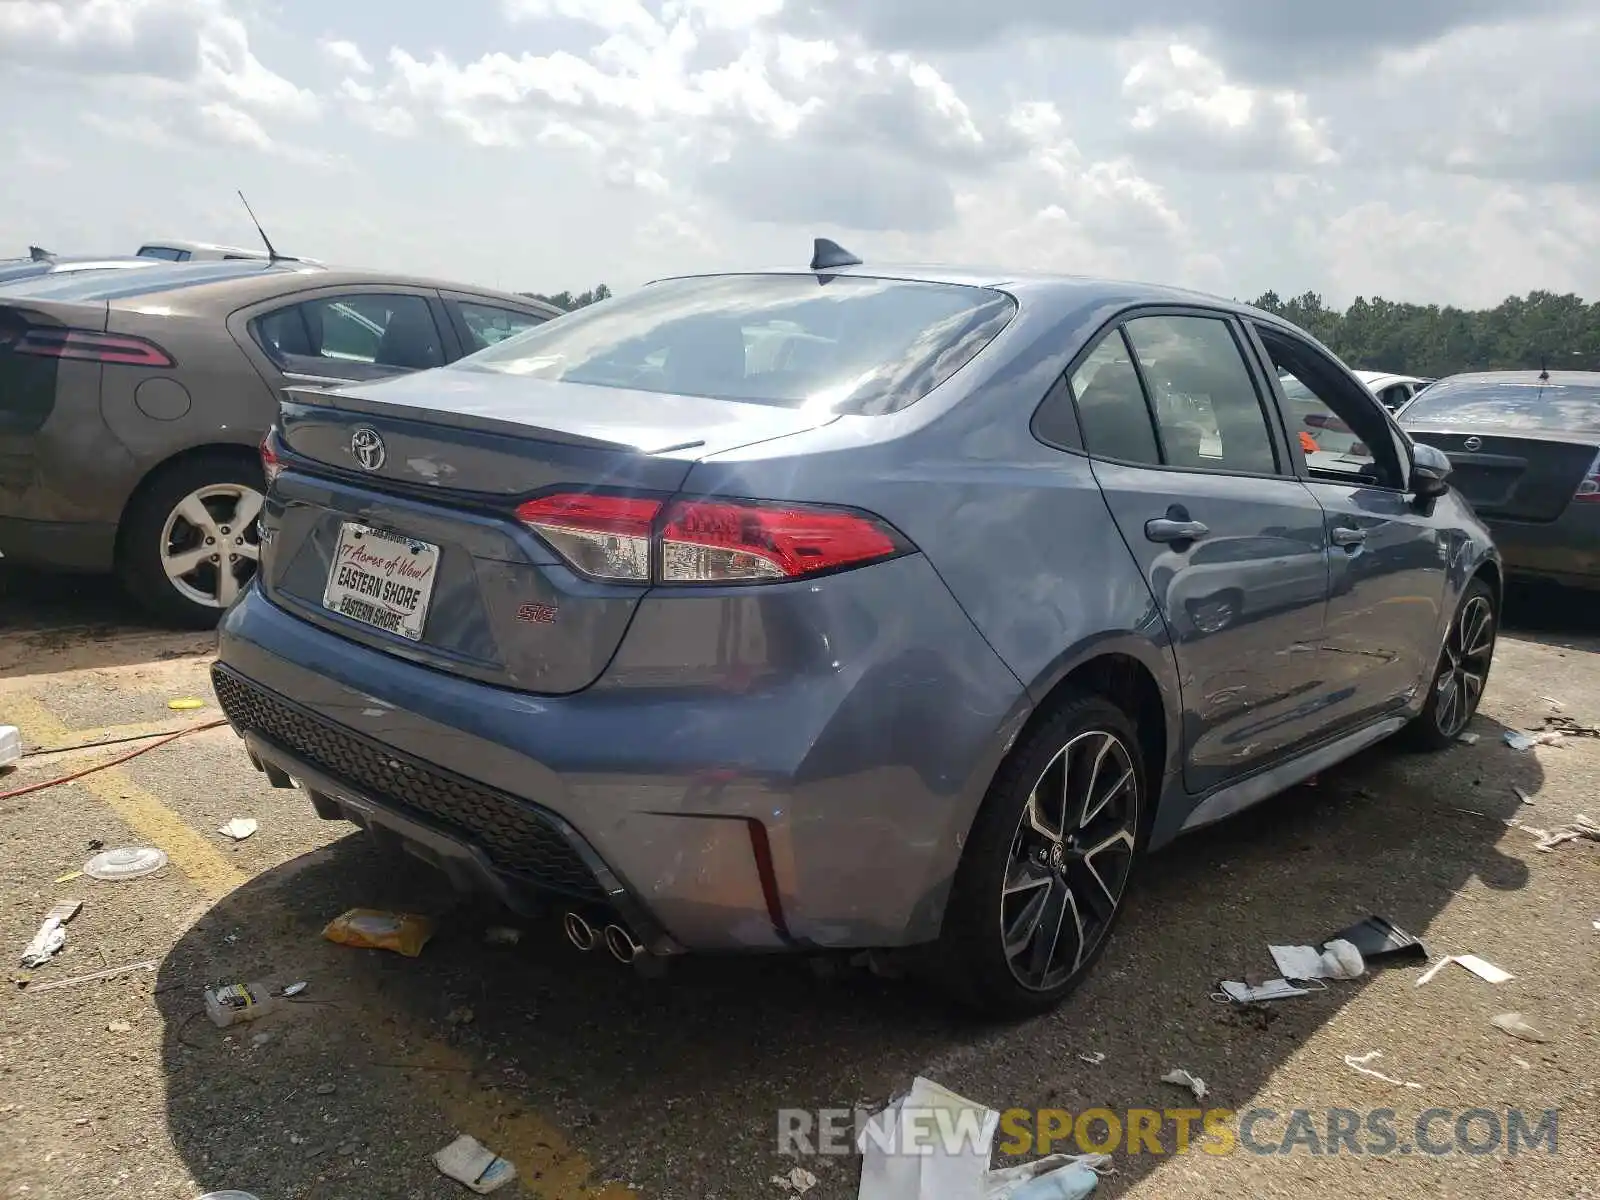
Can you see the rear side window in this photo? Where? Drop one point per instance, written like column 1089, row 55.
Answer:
column 840, row 343
column 395, row 331
column 1511, row 406
column 1111, row 405
column 489, row 325
column 166, row 252
column 1206, row 402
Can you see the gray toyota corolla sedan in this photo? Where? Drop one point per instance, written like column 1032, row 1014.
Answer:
column 839, row 608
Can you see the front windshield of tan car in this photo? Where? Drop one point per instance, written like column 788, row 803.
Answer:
column 843, row 343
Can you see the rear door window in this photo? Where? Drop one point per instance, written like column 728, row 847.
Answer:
column 1111, row 405
column 1206, row 404
column 485, row 325
column 358, row 336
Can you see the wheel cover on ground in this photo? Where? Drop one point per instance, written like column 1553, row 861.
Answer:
column 210, row 544
column 1070, row 859
column 1468, row 651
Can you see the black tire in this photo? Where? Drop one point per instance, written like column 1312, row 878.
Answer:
column 973, row 962
column 1438, row 725
column 140, row 539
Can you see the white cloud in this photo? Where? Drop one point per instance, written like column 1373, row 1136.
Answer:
column 345, row 54
column 228, row 124
column 1188, row 112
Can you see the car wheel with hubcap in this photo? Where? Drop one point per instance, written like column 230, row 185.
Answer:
column 1047, row 864
column 190, row 542
column 1463, row 670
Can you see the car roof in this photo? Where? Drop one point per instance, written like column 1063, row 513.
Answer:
column 1060, row 286
column 201, row 288
column 1374, row 378
column 1549, row 379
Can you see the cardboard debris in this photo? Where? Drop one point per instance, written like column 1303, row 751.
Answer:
column 1517, row 1026
column 469, row 1161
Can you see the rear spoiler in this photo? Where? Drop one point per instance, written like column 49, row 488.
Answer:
column 349, row 401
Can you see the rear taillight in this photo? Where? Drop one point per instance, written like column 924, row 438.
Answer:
column 271, row 465
column 87, row 346
column 604, row 536
column 639, row 540
column 1589, row 489
column 714, row 541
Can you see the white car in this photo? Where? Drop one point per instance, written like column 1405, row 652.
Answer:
column 179, row 250
column 1392, row 390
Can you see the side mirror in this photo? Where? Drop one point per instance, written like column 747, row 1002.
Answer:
column 1430, row 471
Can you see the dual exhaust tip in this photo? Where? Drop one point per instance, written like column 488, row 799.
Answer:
column 622, row 944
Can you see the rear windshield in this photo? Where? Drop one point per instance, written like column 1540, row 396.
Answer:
column 98, row 286
column 843, row 343
column 1551, row 407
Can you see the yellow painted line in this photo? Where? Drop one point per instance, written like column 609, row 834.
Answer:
column 143, row 812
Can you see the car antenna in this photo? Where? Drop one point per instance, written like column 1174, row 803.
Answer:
column 272, row 254
column 826, row 255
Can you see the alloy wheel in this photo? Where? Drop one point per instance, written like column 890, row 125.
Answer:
column 1468, row 651
column 1070, row 859
column 210, row 544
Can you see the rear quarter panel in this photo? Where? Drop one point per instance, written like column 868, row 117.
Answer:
column 1018, row 531
column 210, row 397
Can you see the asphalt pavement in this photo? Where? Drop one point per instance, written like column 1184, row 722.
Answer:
column 601, row 1084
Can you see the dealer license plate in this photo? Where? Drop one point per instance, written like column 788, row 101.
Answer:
column 382, row 579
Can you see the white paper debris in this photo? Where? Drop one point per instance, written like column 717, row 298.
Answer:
column 1097, row 1057
column 1360, row 1064
column 1338, row 960
column 1058, row 1176
column 239, row 828
column 1467, row 739
column 10, row 745
column 1517, row 1026
column 929, row 1144
column 1522, row 795
column 797, row 1182
column 51, row 935
column 469, row 1161
column 1485, row 971
column 1183, row 1079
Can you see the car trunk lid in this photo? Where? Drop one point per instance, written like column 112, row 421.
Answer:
column 422, row 475
column 1526, row 476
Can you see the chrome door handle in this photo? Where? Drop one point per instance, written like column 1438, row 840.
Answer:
column 1343, row 535
column 1164, row 529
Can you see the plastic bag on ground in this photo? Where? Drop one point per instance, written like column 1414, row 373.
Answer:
column 374, row 929
column 955, row 1132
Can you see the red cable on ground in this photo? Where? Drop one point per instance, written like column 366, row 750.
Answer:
column 119, row 760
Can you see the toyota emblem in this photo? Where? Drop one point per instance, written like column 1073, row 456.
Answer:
column 368, row 448
column 1473, row 443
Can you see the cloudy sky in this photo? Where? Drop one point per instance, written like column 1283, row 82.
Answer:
column 1428, row 150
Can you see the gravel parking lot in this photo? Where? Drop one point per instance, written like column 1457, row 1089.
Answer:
column 597, row 1083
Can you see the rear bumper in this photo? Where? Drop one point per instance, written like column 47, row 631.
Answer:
column 59, row 545
column 811, row 811
column 1566, row 550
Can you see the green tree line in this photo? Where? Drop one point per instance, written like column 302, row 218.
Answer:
column 567, row 301
column 1541, row 329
